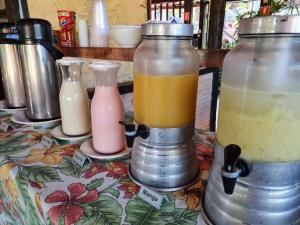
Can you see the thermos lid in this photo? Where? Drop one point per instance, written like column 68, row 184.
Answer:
column 35, row 30
column 167, row 29
column 6, row 28
column 270, row 25
column 8, row 32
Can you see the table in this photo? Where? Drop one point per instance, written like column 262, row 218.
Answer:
column 46, row 186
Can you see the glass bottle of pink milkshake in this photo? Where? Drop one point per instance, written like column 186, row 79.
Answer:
column 107, row 109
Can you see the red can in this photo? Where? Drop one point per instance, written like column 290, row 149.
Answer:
column 67, row 23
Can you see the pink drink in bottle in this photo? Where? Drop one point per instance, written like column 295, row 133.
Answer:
column 107, row 109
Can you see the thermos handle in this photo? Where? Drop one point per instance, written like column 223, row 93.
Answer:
column 54, row 52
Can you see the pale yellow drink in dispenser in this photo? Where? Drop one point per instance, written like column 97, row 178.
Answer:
column 165, row 101
column 265, row 124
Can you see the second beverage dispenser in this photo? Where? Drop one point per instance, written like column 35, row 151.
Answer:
column 165, row 91
column 259, row 120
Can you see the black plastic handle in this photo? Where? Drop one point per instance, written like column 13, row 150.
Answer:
column 53, row 51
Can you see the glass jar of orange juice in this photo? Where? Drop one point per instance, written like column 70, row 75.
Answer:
column 165, row 76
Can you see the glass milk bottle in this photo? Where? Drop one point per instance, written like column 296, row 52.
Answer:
column 107, row 109
column 73, row 98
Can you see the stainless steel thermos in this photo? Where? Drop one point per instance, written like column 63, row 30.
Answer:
column 41, row 76
column 11, row 67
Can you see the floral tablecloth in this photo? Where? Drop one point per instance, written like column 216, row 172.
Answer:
column 46, row 186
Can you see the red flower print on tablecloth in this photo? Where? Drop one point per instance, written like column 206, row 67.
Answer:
column 130, row 189
column 94, row 169
column 38, row 185
column 205, row 155
column 117, row 170
column 70, row 204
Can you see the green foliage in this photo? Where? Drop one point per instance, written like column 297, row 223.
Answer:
column 69, row 167
column 105, row 211
column 139, row 212
column 113, row 192
column 12, row 144
column 94, row 184
column 30, row 211
column 276, row 7
column 43, row 174
column 184, row 217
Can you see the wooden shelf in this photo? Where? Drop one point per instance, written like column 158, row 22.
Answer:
column 213, row 58
column 3, row 13
column 122, row 54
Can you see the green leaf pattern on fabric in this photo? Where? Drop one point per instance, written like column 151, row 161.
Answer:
column 31, row 215
column 43, row 174
column 106, row 196
column 139, row 212
column 12, row 145
column 106, row 211
column 69, row 167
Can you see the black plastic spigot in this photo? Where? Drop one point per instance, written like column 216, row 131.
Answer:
column 143, row 131
column 131, row 132
column 231, row 155
column 233, row 168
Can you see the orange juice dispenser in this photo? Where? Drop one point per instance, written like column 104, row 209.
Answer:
column 165, row 91
column 255, row 177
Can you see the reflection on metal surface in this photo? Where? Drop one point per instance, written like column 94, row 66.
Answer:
column 41, row 82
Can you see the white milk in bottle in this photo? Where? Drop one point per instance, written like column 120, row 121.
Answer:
column 73, row 99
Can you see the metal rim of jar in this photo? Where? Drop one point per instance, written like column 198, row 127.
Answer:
column 266, row 35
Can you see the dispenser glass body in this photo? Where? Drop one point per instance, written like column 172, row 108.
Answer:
column 165, row 91
column 258, row 120
column 259, row 108
column 165, row 82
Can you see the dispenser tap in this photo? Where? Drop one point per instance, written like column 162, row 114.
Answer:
column 143, row 131
column 233, row 168
column 131, row 132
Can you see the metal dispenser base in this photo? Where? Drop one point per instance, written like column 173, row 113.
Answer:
column 166, row 160
column 269, row 195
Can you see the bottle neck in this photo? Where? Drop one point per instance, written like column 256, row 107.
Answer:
column 71, row 72
column 106, row 77
column 106, row 80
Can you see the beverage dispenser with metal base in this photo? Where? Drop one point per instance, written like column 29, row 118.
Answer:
column 165, row 90
column 255, row 178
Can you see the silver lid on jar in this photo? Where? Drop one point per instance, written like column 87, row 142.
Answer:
column 167, row 29
column 270, row 25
